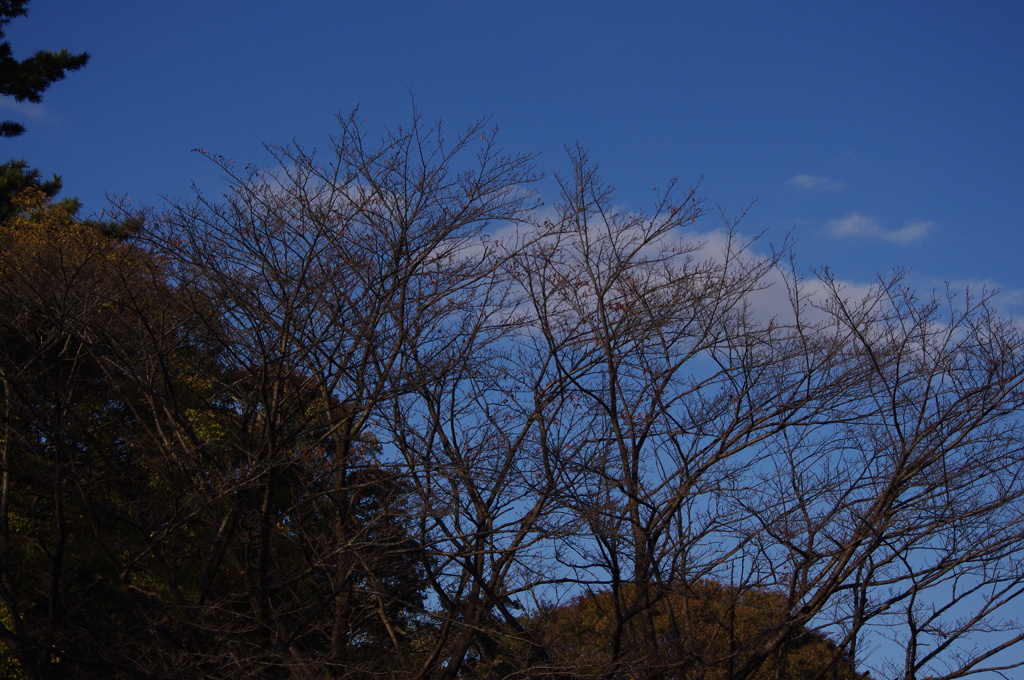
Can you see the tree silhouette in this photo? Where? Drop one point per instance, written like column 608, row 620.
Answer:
column 28, row 79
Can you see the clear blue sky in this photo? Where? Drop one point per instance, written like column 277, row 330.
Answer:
column 882, row 133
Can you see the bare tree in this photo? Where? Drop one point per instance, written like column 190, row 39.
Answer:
column 860, row 456
column 377, row 416
column 598, row 403
column 359, row 282
column 900, row 519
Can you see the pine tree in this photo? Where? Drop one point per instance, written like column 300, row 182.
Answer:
column 16, row 176
column 27, row 79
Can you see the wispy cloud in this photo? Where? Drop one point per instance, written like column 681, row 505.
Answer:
column 856, row 225
column 25, row 109
column 814, row 183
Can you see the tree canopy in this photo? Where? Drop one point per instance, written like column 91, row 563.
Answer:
column 702, row 627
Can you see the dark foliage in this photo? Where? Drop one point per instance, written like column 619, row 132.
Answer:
column 28, row 79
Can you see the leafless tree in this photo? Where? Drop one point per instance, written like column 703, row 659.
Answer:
column 598, row 402
column 354, row 283
column 388, row 412
column 861, row 456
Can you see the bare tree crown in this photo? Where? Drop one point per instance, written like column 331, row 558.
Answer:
column 403, row 423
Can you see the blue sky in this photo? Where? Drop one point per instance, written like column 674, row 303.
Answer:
column 883, row 134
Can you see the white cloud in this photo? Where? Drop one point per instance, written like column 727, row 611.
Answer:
column 856, row 225
column 814, row 183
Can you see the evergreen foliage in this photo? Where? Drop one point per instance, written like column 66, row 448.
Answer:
column 16, row 176
column 28, row 79
column 18, row 179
